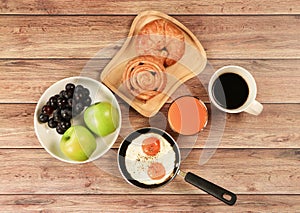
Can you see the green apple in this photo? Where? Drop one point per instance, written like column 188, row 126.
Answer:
column 78, row 143
column 101, row 118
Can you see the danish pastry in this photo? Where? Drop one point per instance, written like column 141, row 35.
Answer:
column 144, row 77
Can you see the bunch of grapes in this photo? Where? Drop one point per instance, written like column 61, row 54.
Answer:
column 62, row 107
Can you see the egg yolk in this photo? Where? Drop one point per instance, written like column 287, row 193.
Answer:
column 151, row 146
column 156, row 171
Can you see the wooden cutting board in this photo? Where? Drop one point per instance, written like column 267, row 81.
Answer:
column 191, row 64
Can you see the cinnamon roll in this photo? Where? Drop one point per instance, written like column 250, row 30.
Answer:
column 144, row 77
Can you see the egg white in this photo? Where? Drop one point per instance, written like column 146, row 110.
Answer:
column 137, row 162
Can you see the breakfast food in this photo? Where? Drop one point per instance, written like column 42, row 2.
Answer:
column 144, row 77
column 151, row 146
column 187, row 115
column 60, row 108
column 78, row 143
column 150, row 159
column 102, row 118
column 159, row 44
column 156, row 171
column 162, row 39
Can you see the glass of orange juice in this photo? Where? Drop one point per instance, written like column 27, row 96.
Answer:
column 187, row 115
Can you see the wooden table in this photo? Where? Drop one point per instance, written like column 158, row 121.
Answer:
column 258, row 157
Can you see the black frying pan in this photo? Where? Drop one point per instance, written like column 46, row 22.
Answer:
column 209, row 187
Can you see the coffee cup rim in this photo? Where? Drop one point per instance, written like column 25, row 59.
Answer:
column 249, row 80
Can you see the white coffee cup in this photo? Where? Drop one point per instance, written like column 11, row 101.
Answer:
column 250, row 105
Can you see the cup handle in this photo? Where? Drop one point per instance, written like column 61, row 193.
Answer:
column 255, row 108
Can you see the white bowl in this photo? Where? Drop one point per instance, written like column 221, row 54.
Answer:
column 50, row 139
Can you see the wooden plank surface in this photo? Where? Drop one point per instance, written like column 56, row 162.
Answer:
column 132, row 7
column 243, row 171
column 147, row 203
column 83, row 36
column 240, row 131
column 24, row 81
column 258, row 157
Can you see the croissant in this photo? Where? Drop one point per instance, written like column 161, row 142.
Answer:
column 162, row 39
column 144, row 77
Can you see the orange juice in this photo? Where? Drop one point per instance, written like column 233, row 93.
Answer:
column 187, row 115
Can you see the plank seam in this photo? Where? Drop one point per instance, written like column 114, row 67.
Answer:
column 139, row 194
column 194, row 148
column 268, row 103
column 135, row 14
column 99, row 58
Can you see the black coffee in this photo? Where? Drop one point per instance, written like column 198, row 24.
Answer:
column 230, row 90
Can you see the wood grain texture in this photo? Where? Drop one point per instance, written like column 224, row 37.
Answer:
column 258, row 157
column 54, row 7
column 147, row 203
column 237, row 131
column 264, row 37
column 243, row 171
column 24, row 81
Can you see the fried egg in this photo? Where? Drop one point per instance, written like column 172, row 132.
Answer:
column 147, row 168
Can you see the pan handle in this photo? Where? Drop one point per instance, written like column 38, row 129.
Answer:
column 211, row 188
